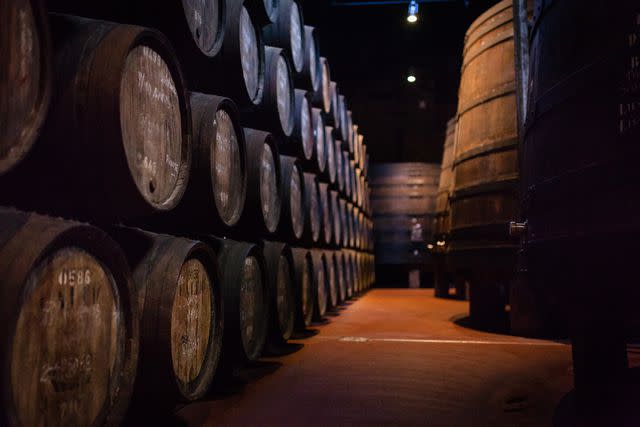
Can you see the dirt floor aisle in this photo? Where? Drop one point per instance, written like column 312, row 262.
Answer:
column 395, row 357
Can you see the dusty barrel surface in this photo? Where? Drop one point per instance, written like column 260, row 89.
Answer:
column 68, row 312
column 319, row 140
column 310, row 78
column 312, row 208
column 320, row 284
column 293, row 216
column 263, row 204
column 287, row 32
column 303, row 270
column 245, row 294
column 180, row 311
column 25, row 82
column 403, row 203
column 120, row 115
column 301, row 143
column 275, row 111
column 484, row 196
column 281, row 277
column 579, row 167
column 215, row 195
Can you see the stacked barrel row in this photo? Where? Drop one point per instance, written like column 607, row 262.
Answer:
column 199, row 196
column 403, row 199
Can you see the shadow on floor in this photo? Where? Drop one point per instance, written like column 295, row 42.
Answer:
column 617, row 407
column 464, row 321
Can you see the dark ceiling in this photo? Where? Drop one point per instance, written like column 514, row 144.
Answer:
column 372, row 49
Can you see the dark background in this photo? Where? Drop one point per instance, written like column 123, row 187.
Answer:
column 372, row 49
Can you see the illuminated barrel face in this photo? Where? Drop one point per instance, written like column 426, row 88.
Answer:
column 295, row 202
column 284, row 303
column 335, row 214
column 326, row 85
column 191, row 321
column 284, row 95
column 320, row 141
column 270, row 199
column 339, row 167
column 151, row 125
column 315, row 212
column 296, row 34
column 331, row 273
column 249, row 56
column 203, row 18
column 251, row 304
column 314, row 60
column 306, row 292
column 326, row 212
column 67, row 348
column 321, row 288
column 227, row 177
column 331, row 159
column 306, row 129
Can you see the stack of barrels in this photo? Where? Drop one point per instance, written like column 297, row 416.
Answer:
column 403, row 199
column 482, row 193
column 183, row 191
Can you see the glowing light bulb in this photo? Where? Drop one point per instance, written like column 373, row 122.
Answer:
column 413, row 11
column 411, row 78
column 412, row 18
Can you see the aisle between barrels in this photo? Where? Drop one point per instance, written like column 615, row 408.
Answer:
column 398, row 357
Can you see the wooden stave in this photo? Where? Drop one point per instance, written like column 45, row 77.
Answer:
column 108, row 45
column 303, row 80
column 48, row 236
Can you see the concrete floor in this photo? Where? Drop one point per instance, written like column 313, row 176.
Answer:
column 396, row 357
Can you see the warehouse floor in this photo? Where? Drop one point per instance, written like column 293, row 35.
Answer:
column 397, row 357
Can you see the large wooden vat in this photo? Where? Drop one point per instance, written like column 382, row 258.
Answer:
column 580, row 175
column 403, row 197
column 484, row 197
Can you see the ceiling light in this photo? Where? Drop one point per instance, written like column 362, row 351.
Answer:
column 411, row 78
column 413, row 12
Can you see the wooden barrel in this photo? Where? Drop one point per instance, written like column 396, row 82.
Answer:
column 351, row 283
column 330, row 171
column 579, row 167
column 180, row 312
column 484, row 196
column 303, row 271
column 345, row 172
column 325, row 208
column 485, row 193
column 341, row 289
column 264, row 11
column 287, row 32
column 332, row 117
column 25, row 80
column 140, row 162
column 403, row 202
column 263, row 203
column 245, row 293
column 319, row 141
column 68, row 321
column 292, row 217
column 344, row 235
column 312, row 209
column 320, row 284
column 334, row 203
column 353, row 191
column 276, row 111
column 215, row 194
column 281, row 279
column 301, row 143
column 332, row 279
column 321, row 98
column 337, row 151
column 310, row 78
column 345, row 129
column 442, row 224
